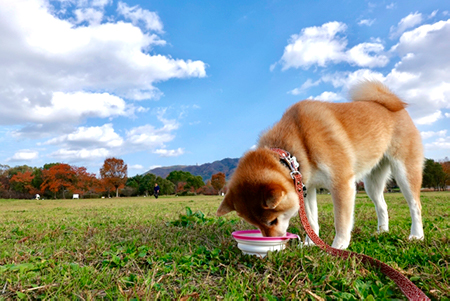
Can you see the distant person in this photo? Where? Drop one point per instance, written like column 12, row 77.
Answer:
column 156, row 189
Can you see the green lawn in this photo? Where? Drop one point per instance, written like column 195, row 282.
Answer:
column 143, row 248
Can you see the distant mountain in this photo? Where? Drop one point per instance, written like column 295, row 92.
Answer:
column 227, row 166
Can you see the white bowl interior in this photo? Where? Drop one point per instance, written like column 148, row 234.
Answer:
column 259, row 247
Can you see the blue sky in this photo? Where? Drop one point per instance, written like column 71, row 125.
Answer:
column 161, row 83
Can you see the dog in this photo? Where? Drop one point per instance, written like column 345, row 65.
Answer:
column 336, row 145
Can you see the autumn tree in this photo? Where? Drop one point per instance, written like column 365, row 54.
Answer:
column 85, row 181
column 207, row 189
column 114, row 173
column 21, row 182
column 218, row 181
column 446, row 168
column 59, row 177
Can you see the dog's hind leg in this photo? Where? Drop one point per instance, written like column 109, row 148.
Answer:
column 374, row 184
column 311, row 213
column 343, row 194
column 409, row 179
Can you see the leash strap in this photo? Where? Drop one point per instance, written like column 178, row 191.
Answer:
column 409, row 289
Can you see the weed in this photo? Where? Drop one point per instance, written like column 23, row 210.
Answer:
column 142, row 248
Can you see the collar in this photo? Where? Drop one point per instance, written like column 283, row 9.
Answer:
column 291, row 162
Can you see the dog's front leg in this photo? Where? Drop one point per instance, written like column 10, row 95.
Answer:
column 311, row 213
column 343, row 194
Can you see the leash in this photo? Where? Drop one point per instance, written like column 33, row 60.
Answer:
column 409, row 289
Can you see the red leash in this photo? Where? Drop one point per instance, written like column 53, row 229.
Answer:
column 409, row 289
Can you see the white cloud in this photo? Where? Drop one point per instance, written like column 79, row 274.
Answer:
column 367, row 22
column 136, row 14
column 305, row 86
column 421, row 76
column 101, row 3
column 81, row 154
column 345, row 80
column 328, row 96
column 87, row 136
column 74, row 106
column 325, row 45
column 433, row 14
column 89, row 15
column 442, row 143
column 391, row 5
column 429, row 134
column 315, row 45
column 429, row 119
column 407, row 22
column 99, row 142
column 58, row 70
column 169, row 152
column 148, row 137
column 367, row 55
column 24, row 155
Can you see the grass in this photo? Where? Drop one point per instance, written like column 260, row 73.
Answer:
column 143, row 248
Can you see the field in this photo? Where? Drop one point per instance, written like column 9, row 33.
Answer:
column 175, row 248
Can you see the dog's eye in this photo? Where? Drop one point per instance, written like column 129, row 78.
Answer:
column 274, row 222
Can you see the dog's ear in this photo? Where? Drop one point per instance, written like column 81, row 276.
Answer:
column 226, row 205
column 273, row 195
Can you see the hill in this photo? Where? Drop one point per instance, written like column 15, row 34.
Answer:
column 227, row 166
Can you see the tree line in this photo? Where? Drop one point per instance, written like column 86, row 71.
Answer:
column 61, row 180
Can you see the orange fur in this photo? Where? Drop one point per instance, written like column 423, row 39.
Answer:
column 336, row 144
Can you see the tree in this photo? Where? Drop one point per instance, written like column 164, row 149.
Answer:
column 59, row 177
column 21, row 182
column 166, row 187
column 142, row 184
column 207, row 189
column 446, row 168
column 85, row 181
column 190, row 182
column 218, row 181
column 433, row 175
column 4, row 178
column 114, row 173
column 37, row 178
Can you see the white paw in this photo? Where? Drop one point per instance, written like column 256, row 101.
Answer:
column 339, row 243
column 383, row 228
column 413, row 237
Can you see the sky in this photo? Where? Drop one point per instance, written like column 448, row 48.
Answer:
column 173, row 82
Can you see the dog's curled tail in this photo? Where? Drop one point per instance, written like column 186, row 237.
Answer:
column 377, row 92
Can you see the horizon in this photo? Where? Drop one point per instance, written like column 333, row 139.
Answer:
column 168, row 83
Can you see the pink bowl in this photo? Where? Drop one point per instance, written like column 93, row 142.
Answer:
column 253, row 243
column 257, row 235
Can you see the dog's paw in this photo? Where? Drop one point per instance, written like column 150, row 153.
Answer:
column 383, row 228
column 340, row 243
column 415, row 237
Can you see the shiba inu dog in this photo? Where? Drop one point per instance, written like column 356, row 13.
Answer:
column 336, row 145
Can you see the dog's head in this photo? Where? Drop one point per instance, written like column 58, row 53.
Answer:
column 262, row 193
